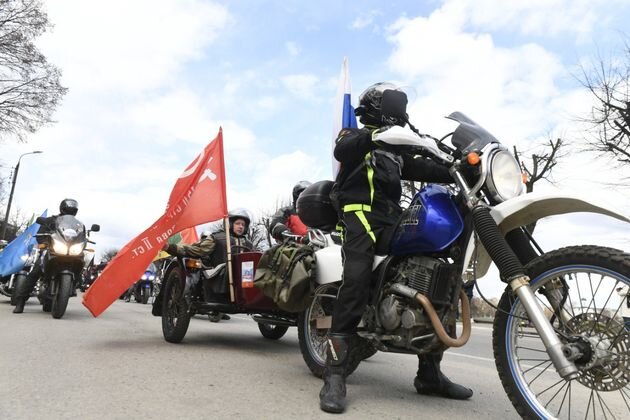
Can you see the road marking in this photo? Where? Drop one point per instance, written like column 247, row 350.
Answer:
column 470, row 357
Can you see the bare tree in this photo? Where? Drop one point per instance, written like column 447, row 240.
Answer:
column 609, row 83
column 109, row 255
column 541, row 163
column 29, row 86
column 258, row 236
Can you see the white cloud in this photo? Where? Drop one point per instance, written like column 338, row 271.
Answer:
column 121, row 45
column 535, row 17
column 301, row 85
column 293, row 48
column 365, row 19
column 508, row 89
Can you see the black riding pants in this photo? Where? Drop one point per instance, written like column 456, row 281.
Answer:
column 29, row 284
column 364, row 234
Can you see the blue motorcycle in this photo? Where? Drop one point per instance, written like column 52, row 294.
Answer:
column 559, row 341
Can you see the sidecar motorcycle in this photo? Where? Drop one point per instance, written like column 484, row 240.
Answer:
column 191, row 289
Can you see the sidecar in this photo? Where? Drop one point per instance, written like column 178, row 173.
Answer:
column 191, row 289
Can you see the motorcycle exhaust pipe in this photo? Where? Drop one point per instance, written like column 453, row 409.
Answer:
column 433, row 316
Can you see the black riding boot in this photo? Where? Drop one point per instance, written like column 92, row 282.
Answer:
column 431, row 380
column 332, row 397
column 19, row 305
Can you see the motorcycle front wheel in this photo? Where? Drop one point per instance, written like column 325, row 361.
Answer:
column 313, row 326
column 175, row 315
column 145, row 294
column 577, row 289
column 60, row 301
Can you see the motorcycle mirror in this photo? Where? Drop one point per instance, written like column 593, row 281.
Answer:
column 394, row 104
column 40, row 220
column 95, row 228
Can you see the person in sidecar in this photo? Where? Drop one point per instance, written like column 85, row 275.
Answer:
column 368, row 192
column 286, row 218
column 67, row 206
column 212, row 249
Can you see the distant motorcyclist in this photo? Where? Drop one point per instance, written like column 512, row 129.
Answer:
column 68, row 206
column 286, row 219
column 212, row 248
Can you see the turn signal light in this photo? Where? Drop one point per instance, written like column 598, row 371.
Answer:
column 473, row 159
column 524, row 175
column 190, row 263
column 41, row 246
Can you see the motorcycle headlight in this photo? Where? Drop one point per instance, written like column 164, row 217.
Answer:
column 144, row 277
column 504, row 177
column 59, row 247
column 76, row 249
column 151, row 277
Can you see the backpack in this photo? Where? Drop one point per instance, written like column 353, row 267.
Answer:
column 285, row 273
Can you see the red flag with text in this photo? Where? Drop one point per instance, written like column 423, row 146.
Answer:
column 198, row 197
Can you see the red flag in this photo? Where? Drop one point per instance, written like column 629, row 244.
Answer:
column 198, row 197
column 189, row 236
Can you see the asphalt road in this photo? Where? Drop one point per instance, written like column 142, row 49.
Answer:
column 118, row 366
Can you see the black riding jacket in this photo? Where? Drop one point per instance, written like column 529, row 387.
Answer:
column 370, row 176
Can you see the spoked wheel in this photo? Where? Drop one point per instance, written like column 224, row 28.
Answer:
column 577, row 288
column 175, row 315
column 313, row 326
column 271, row 331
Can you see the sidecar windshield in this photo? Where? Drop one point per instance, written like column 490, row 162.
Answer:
column 71, row 229
column 469, row 135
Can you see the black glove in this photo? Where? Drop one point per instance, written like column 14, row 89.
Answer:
column 277, row 231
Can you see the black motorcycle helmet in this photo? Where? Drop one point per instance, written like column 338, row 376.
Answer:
column 68, row 206
column 298, row 188
column 369, row 110
column 239, row 214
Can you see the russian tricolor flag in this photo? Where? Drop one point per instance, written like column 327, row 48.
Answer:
column 344, row 111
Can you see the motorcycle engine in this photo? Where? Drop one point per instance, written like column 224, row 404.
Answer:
column 429, row 276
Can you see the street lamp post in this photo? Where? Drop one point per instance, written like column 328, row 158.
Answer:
column 15, row 174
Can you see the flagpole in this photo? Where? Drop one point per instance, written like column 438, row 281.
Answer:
column 226, row 224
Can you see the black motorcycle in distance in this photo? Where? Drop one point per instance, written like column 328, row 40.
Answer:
column 61, row 262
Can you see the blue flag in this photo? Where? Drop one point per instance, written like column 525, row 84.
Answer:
column 12, row 258
column 344, row 111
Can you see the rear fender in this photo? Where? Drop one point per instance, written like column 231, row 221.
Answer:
column 527, row 209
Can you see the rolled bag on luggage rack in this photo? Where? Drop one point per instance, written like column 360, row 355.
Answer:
column 286, row 273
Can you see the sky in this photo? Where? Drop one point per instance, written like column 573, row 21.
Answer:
column 151, row 81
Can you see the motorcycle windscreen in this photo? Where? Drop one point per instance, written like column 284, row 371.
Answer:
column 469, row 136
column 431, row 223
column 70, row 229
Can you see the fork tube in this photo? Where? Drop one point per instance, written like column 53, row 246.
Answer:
column 550, row 339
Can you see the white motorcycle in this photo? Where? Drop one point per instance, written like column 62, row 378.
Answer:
column 559, row 341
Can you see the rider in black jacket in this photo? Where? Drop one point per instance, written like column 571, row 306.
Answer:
column 368, row 191
column 67, row 206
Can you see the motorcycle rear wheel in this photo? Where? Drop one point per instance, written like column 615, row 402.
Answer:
column 175, row 315
column 312, row 340
column 60, row 301
column 46, row 305
column 583, row 279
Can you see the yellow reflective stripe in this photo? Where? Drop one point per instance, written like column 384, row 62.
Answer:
column 339, row 229
column 366, row 224
column 348, row 208
column 370, row 175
